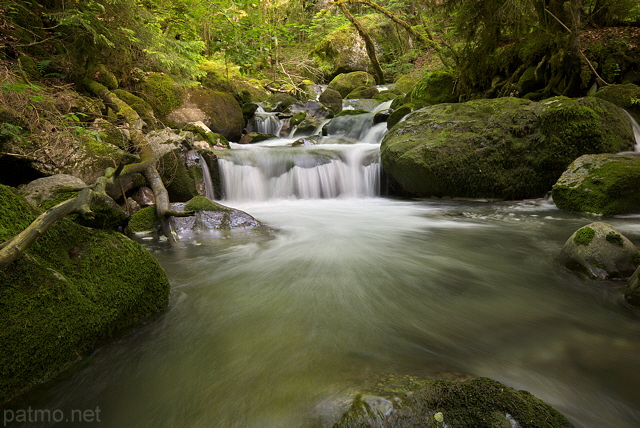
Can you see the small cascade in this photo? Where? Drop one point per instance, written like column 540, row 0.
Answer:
column 206, row 178
column 265, row 122
column 636, row 131
column 308, row 172
column 344, row 163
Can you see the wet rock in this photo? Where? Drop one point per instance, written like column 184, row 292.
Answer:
column 144, row 197
column 408, row 401
column 332, row 99
column 599, row 251
column 212, row 216
column 600, row 184
column 49, row 191
column 255, row 137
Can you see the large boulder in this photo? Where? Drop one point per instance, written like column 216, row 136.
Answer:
column 505, row 148
column 599, row 251
column 347, row 82
column 408, row 401
column 217, row 110
column 331, row 99
column 70, row 290
column 600, row 184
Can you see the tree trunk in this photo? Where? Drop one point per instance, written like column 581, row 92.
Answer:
column 368, row 42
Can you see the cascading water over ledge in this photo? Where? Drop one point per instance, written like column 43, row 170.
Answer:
column 344, row 163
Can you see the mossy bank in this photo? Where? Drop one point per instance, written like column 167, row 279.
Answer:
column 73, row 288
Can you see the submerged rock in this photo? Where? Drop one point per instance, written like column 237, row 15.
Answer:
column 407, row 401
column 505, row 148
column 212, row 216
column 599, row 251
column 600, row 184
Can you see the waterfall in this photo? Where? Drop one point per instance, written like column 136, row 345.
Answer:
column 265, row 122
column 206, row 178
column 636, row 130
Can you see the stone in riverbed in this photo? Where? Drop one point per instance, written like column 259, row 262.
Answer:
column 599, row 251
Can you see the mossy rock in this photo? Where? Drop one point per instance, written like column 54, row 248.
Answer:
column 279, row 102
column 162, row 94
column 297, row 118
column 598, row 250
column 363, row 92
column 600, row 184
column 219, row 111
column 405, row 83
column 214, row 139
column 143, row 221
column 71, row 290
column 200, row 203
column 632, row 290
column 331, row 99
column 255, row 137
column 626, row 96
column 408, row 401
column 250, row 91
column 505, row 148
column 101, row 74
column 433, row 88
column 530, row 82
column 144, row 110
column 397, row 115
column 347, row 82
column 351, row 112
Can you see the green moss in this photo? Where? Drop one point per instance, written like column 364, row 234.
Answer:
column 139, row 105
column 200, row 203
column 433, row 88
column 144, row 220
column 584, row 236
column 614, row 238
column 100, row 73
column 636, row 259
column 363, row 92
column 73, row 288
column 351, row 112
column 347, row 82
column 180, row 184
column 162, row 93
column 297, row 118
column 479, row 402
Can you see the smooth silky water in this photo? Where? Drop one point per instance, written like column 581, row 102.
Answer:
column 262, row 328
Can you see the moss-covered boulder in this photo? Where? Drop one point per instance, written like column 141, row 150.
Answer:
column 331, row 99
column 408, row 401
column 505, row 148
column 347, row 82
column 46, row 192
column 213, row 139
column 600, row 184
column 405, row 83
column 219, row 111
column 71, row 290
column 626, row 96
column 363, row 92
column 432, row 88
column 180, row 174
column 101, row 74
column 143, row 221
column 599, row 251
column 162, row 93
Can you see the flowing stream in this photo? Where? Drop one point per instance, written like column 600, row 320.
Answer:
column 264, row 328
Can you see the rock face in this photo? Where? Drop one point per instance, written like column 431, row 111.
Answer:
column 219, row 111
column 212, row 217
column 622, row 96
column 434, row 88
column 407, row 401
column 599, row 251
column 505, row 148
column 600, row 184
column 73, row 288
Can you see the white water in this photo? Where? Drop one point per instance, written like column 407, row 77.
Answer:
column 636, row 131
column 206, row 178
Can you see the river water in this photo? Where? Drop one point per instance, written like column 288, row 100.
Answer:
column 264, row 327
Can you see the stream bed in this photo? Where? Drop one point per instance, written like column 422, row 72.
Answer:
column 262, row 329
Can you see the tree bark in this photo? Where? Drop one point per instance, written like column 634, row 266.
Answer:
column 368, row 42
